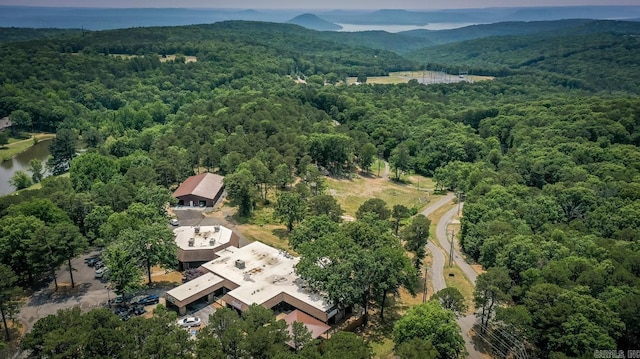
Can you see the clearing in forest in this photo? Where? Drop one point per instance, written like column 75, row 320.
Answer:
column 423, row 77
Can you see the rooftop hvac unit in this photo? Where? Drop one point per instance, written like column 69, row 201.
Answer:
column 212, row 241
column 240, row 264
column 196, row 229
column 216, row 228
column 192, row 241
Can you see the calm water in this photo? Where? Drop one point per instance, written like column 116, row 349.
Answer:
column 21, row 163
column 400, row 28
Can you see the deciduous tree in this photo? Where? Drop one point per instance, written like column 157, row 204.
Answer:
column 63, row 150
column 491, row 290
column 366, row 156
column 416, row 236
column 431, row 322
column 9, row 296
column 37, row 170
column 290, row 208
column 20, row 180
column 375, row 206
column 450, row 298
column 327, row 205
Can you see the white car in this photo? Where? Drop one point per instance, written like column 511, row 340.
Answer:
column 189, row 322
column 174, row 222
column 101, row 272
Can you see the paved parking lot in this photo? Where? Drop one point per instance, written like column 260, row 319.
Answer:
column 88, row 293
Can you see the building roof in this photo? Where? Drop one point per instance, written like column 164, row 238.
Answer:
column 205, row 185
column 202, row 237
column 195, row 286
column 316, row 327
column 5, row 122
column 267, row 272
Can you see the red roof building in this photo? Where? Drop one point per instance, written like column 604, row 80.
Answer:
column 315, row 327
column 201, row 190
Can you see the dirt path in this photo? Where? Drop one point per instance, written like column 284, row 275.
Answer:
column 385, row 174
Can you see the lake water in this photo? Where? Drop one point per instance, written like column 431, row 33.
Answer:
column 20, row 162
column 400, row 28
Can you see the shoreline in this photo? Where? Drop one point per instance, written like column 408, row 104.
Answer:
column 41, row 136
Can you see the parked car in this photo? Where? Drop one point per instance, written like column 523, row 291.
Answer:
column 189, row 322
column 101, row 272
column 99, row 264
column 150, row 299
column 91, row 261
column 122, row 302
column 174, row 222
column 136, row 310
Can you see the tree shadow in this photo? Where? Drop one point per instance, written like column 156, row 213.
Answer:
column 63, row 294
column 281, row 233
column 377, row 330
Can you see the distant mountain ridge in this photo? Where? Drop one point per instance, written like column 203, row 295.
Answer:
column 115, row 18
column 313, row 22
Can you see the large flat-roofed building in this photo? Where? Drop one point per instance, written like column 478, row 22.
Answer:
column 201, row 190
column 199, row 244
column 253, row 274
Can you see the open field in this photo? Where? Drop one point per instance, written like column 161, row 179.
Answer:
column 16, row 146
column 423, row 77
column 162, row 59
column 352, row 193
column 187, row 59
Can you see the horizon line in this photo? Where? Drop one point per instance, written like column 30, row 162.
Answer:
column 324, row 9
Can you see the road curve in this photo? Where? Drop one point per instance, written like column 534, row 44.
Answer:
column 441, row 234
column 436, row 274
column 466, row 323
column 435, row 206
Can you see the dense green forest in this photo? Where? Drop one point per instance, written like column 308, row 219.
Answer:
column 546, row 154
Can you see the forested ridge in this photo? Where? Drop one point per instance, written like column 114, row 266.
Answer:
column 546, row 154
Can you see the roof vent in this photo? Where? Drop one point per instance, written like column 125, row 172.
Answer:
column 212, row 241
column 216, row 228
column 196, row 229
column 240, row 264
column 192, row 241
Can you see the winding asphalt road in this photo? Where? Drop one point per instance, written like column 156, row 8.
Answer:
column 441, row 234
column 438, row 283
column 436, row 273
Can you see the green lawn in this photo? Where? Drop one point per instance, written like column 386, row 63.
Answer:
column 16, row 146
column 352, row 193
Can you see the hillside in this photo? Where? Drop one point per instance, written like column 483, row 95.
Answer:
column 599, row 55
column 496, row 29
column 12, row 34
column 313, row 22
column 546, row 155
column 481, row 15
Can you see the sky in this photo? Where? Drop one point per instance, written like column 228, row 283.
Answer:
column 314, row 4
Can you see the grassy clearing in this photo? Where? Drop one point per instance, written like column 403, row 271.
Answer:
column 16, row 146
column 427, row 77
column 352, row 193
column 187, row 59
column 162, row 59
